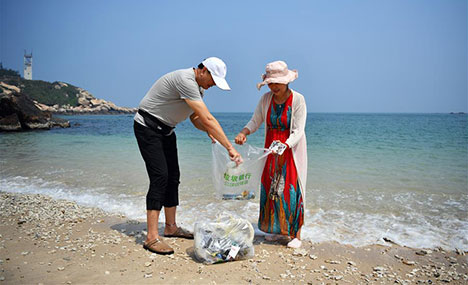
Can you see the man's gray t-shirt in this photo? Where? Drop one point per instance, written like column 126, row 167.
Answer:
column 165, row 99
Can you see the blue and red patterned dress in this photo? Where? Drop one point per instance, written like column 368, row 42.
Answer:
column 281, row 206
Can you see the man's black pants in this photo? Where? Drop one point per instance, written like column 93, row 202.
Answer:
column 162, row 164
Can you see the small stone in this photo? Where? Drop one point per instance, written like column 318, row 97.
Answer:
column 409, row 262
column 379, row 269
column 148, row 275
column 266, row 277
column 452, row 259
column 107, row 272
column 338, row 277
column 300, row 252
column 459, row 251
column 25, row 253
column 60, row 268
column 421, row 252
column 352, row 263
column 332, row 261
column 147, row 264
column 398, row 257
column 313, row 257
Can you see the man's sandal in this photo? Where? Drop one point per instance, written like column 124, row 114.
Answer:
column 180, row 233
column 158, row 246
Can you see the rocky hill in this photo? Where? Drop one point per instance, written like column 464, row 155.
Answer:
column 63, row 98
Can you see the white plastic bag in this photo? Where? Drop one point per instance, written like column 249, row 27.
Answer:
column 227, row 238
column 242, row 181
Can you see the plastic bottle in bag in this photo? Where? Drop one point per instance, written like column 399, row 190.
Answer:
column 226, row 239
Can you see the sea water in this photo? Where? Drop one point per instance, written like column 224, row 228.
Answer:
column 370, row 176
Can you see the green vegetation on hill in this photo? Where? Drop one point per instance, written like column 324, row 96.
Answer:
column 42, row 91
column 8, row 72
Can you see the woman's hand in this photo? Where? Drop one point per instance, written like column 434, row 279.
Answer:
column 241, row 138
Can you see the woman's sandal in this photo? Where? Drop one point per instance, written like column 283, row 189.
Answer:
column 275, row 237
column 295, row 243
column 158, row 246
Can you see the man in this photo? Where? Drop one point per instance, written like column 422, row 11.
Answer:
column 174, row 97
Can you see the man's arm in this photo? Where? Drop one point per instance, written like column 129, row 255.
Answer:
column 199, row 125
column 195, row 119
column 211, row 125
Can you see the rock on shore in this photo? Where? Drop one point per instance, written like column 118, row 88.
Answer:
column 18, row 112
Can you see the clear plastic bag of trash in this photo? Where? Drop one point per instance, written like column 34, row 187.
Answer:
column 228, row 238
column 242, row 181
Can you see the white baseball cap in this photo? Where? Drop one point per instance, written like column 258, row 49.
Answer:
column 218, row 70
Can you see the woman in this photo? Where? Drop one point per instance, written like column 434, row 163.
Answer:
column 282, row 197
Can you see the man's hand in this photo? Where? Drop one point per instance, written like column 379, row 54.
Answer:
column 235, row 156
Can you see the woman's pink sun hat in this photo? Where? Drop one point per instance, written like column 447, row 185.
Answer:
column 277, row 72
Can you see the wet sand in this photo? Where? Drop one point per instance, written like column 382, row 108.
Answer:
column 59, row 242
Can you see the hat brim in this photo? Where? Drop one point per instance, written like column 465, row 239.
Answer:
column 290, row 77
column 221, row 83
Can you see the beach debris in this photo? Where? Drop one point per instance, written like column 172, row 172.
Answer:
column 227, row 238
column 313, row 257
column 398, row 257
column 147, row 264
column 107, row 272
column 148, row 275
column 379, row 269
column 352, row 263
column 60, row 268
column 2, row 278
column 332, row 261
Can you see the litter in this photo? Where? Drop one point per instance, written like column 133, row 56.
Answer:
column 228, row 238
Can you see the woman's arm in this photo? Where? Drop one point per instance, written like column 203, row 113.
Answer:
column 299, row 122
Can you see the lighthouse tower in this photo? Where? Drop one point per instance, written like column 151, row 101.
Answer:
column 27, row 71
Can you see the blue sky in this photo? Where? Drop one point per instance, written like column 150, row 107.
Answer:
column 352, row 56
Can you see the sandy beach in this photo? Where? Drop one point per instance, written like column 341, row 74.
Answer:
column 46, row 241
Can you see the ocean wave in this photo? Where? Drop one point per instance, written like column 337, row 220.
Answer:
column 435, row 227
